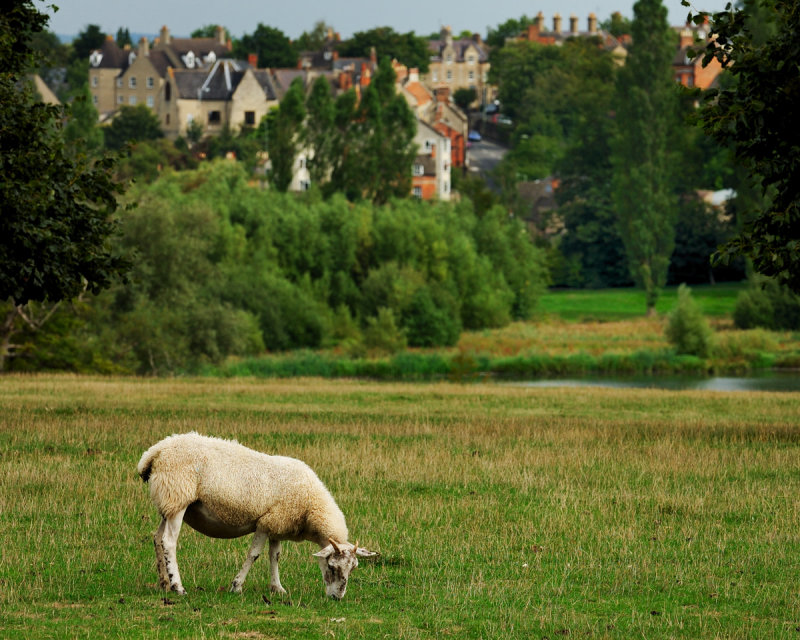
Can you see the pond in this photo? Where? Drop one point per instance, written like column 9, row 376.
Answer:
column 771, row 381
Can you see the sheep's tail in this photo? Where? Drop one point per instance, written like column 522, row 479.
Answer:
column 146, row 463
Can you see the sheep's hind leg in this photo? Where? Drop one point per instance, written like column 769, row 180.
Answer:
column 172, row 528
column 158, row 542
column 257, row 546
column 274, row 556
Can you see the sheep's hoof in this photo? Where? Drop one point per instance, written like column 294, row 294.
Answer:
column 178, row 589
column 235, row 588
column 276, row 588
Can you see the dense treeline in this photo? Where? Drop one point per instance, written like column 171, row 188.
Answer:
column 223, row 267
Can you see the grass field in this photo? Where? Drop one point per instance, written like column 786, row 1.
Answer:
column 500, row 512
column 625, row 303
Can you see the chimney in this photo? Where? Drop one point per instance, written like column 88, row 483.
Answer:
column 557, row 23
column 573, row 25
column 447, row 35
column 252, row 60
column 144, row 46
column 592, row 24
column 533, row 33
column 365, row 75
column 220, row 31
column 442, row 94
column 539, row 21
column 476, row 38
column 373, row 57
column 413, row 75
column 165, row 39
column 687, row 37
column 329, row 34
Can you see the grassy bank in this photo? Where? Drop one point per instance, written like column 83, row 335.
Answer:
column 576, row 333
column 499, row 512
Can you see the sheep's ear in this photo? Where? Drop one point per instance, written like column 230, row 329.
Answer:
column 324, row 553
column 364, row 553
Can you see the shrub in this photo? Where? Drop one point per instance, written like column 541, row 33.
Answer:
column 768, row 305
column 382, row 334
column 431, row 323
column 687, row 328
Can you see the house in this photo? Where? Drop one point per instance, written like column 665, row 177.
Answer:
column 689, row 71
column 232, row 94
column 437, row 110
column 538, row 32
column 124, row 76
column 431, row 170
column 459, row 64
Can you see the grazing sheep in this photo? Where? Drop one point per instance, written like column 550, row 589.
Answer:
column 225, row 490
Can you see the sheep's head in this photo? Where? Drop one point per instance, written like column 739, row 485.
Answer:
column 336, row 561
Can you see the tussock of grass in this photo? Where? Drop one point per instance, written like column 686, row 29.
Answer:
column 500, row 512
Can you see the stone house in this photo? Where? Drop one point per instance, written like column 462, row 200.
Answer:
column 459, row 64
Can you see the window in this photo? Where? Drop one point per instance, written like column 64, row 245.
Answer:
column 419, row 170
column 214, row 117
column 305, row 185
column 470, row 59
column 435, row 76
column 150, row 82
column 446, row 187
column 301, row 162
column 429, row 145
column 95, row 81
column 471, row 76
column 119, row 83
column 449, row 76
column 166, row 119
column 132, row 82
column 449, row 58
column 417, row 192
column 132, row 100
column 250, row 118
column 150, row 101
column 167, row 92
column 94, row 100
column 120, row 99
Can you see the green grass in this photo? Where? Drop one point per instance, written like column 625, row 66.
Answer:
column 618, row 304
column 500, row 512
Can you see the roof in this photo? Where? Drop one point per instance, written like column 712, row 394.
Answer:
column 460, row 47
column 109, row 56
column 419, row 92
column 218, row 83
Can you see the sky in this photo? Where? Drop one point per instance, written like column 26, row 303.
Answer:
column 424, row 17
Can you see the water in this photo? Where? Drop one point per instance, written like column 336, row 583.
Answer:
column 773, row 381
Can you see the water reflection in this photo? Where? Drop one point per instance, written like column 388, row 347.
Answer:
column 773, row 381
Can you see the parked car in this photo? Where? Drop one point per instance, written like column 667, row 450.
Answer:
column 501, row 119
column 474, row 136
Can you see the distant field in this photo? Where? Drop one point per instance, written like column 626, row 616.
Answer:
column 619, row 304
column 500, row 512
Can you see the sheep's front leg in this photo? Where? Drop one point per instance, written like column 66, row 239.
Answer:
column 158, row 542
column 274, row 577
column 172, row 528
column 257, row 546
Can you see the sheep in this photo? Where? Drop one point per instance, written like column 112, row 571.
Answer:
column 225, row 490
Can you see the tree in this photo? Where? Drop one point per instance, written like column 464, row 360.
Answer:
column 511, row 28
column 286, row 135
column 57, row 204
column 208, row 31
column 132, row 124
column 88, row 40
column 271, row 45
column 319, row 130
column 123, row 37
column 464, row 97
column 646, row 112
column 315, row 39
column 407, row 48
column 751, row 117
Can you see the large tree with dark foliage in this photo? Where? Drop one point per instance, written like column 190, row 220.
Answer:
column 271, row 45
column 407, row 48
column 754, row 116
column 57, row 206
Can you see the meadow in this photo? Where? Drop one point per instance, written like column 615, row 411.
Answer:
column 499, row 511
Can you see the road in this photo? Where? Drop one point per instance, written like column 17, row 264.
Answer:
column 483, row 156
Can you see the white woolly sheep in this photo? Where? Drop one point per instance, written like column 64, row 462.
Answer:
column 225, row 490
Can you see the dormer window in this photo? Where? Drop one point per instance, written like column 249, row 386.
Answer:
column 448, row 58
column 96, row 58
column 189, row 60
column 131, row 57
column 211, row 58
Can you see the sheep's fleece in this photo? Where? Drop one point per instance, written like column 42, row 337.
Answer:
column 224, row 490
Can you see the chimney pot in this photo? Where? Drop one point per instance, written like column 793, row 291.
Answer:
column 573, row 24
column 557, row 23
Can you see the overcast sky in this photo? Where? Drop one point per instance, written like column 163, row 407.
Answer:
column 421, row 16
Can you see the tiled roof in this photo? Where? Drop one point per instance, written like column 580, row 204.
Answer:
column 460, row 46
column 110, row 56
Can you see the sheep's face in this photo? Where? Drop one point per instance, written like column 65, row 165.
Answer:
column 336, row 561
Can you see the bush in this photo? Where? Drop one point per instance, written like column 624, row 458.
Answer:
column 768, row 305
column 382, row 334
column 431, row 323
column 687, row 328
